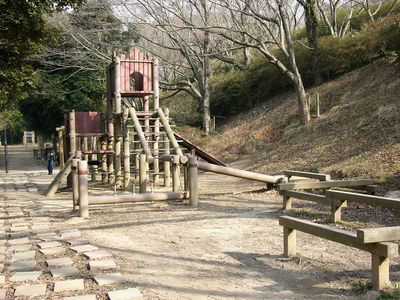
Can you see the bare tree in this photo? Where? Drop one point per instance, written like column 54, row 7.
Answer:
column 186, row 50
column 269, row 31
column 329, row 11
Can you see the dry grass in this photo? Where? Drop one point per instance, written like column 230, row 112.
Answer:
column 358, row 134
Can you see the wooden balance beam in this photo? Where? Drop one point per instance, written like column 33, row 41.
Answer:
column 324, row 184
column 384, row 202
column 380, row 252
column 319, row 176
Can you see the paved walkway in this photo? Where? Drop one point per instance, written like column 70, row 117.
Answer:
column 42, row 252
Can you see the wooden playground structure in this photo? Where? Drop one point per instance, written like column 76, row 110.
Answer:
column 133, row 150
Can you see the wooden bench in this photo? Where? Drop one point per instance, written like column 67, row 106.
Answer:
column 380, row 252
column 337, row 197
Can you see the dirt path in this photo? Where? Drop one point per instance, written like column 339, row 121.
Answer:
column 228, row 248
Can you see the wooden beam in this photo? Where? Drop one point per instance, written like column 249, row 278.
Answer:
column 131, row 198
column 60, row 177
column 319, row 176
column 383, row 234
column 365, row 199
column 306, row 196
column 340, row 236
column 323, row 184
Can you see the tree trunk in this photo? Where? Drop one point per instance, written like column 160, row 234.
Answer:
column 206, row 113
column 302, row 100
column 312, row 36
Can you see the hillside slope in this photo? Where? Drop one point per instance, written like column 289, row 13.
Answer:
column 357, row 135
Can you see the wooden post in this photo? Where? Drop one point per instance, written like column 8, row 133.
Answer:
column 85, row 147
column 61, row 146
column 317, row 104
column 287, row 203
column 143, row 167
column 127, row 162
column 24, row 139
column 185, row 179
column 117, row 147
column 33, row 139
column 380, row 272
column 117, row 85
column 146, row 107
column 110, row 165
column 75, row 183
column 175, row 174
column 289, row 242
column 167, row 164
column 94, row 157
column 193, row 181
column 104, row 168
column 156, row 103
column 83, row 189
column 72, row 134
column 137, row 167
column 336, row 210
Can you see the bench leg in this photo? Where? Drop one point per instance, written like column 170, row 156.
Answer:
column 289, row 242
column 336, row 211
column 380, row 272
column 287, row 203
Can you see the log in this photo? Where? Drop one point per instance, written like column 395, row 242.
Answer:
column 60, row 177
column 83, row 189
column 240, row 173
column 142, row 138
column 170, row 133
column 193, row 181
column 111, row 199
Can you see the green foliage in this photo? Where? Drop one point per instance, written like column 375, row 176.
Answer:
column 361, row 286
column 393, row 294
column 237, row 91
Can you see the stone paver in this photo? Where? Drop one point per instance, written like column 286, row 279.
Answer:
column 23, row 256
column 61, row 261
column 84, row 248
column 69, row 285
column 111, row 278
column 40, row 227
column 2, row 279
column 102, row 264
column 129, row 294
column 28, row 265
column 20, row 248
column 76, row 242
column 19, row 228
column 19, row 234
column 53, row 251
column 45, row 245
column 22, row 276
column 70, row 235
column 18, row 241
column 97, row 254
column 31, row 290
column 64, row 272
column 82, row 297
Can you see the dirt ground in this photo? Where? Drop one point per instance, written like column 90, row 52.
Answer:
column 230, row 247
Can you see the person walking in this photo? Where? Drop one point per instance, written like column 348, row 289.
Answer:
column 49, row 158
